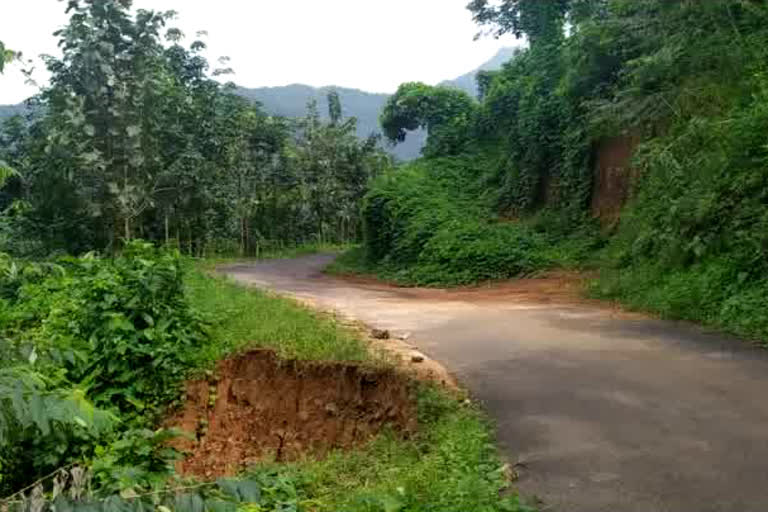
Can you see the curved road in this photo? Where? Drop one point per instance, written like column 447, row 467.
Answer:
column 603, row 412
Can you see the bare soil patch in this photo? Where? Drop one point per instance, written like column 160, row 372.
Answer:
column 555, row 286
column 257, row 406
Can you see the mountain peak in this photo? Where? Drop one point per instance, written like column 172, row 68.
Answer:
column 467, row 81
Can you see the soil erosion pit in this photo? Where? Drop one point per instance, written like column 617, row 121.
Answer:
column 257, row 406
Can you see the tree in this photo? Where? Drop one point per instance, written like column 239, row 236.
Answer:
column 6, row 56
column 333, row 168
column 444, row 112
column 135, row 139
column 535, row 19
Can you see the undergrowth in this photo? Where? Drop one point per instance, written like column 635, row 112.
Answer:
column 94, row 352
column 430, row 224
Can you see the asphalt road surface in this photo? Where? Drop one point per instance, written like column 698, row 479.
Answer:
column 601, row 411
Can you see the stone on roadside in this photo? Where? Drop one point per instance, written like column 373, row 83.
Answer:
column 380, row 334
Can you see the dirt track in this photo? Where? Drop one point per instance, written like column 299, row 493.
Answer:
column 602, row 411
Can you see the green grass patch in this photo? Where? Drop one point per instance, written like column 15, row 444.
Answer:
column 451, row 465
column 241, row 317
column 713, row 293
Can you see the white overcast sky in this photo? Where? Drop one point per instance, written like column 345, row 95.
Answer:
column 372, row 45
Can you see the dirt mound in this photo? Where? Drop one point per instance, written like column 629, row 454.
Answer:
column 257, row 406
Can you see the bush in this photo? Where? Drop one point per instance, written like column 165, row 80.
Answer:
column 91, row 347
column 465, row 252
column 429, row 223
column 121, row 325
column 693, row 244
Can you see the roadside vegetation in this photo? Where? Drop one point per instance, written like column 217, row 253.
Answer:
column 130, row 162
column 508, row 182
column 240, row 318
column 94, row 355
column 134, row 159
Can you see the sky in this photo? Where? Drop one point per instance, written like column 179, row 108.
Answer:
column 373, row 45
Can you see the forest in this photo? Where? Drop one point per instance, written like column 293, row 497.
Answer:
column 137, row 166
column 135, row 139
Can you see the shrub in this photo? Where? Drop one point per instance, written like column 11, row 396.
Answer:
column 430, row 223
column 92, row 347
column 121, row 325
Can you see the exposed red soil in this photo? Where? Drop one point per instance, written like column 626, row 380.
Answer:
column 257, row 406
column 556, row 286
column 614, row 175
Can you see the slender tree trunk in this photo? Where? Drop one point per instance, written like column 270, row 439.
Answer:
column 242, row 236
column 167, row 238
column 189, row 240
column 247, row 236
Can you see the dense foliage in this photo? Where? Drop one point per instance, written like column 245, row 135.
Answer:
column 443, row 111
column 686, row 80
column 428, row 225
column 93, row 349
column 133, row 138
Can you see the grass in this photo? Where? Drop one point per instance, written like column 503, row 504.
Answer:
column 450, row 464
column 711, row 293
column 242, row 317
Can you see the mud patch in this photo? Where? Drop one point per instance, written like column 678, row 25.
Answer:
column 257, row 406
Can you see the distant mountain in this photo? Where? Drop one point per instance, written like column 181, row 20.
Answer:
column 467, row 82
column 291, row 101
column 7, row 111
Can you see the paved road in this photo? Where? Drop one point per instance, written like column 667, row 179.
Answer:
column 606, row 412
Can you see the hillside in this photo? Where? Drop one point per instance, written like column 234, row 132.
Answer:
column 644, row 158
column 466, row 82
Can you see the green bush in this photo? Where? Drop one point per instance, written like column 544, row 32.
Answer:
column 122, row 325
column 93, row 347
column 465, row 252
column 431, row 223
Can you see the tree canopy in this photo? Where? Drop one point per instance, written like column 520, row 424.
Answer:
column 135, row 139
column 444, row 112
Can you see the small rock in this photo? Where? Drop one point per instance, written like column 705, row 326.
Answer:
column 331, row 409
column 380, row 334
column 510, row 473
column 417, row 358
column 405, row 336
